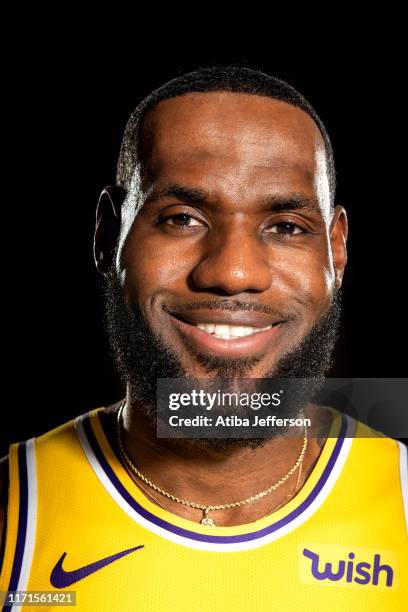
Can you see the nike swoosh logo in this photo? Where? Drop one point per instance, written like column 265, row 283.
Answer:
column 60, row 578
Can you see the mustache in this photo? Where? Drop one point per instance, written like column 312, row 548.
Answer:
column 230, row 305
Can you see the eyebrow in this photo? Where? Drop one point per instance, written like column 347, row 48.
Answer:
column 276, row 203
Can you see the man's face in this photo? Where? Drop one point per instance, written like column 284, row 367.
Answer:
column 231, row 232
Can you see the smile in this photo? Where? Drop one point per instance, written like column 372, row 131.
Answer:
column 230, row 332
column 227, row 334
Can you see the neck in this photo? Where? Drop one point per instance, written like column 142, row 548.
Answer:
column 201, row 474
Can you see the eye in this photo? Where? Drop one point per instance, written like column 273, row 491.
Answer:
column 180, row 220
column 285, row 228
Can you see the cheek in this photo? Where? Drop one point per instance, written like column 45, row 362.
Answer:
column 315, row 284
column 320, row 286
column 306, row 276
column 150, row 265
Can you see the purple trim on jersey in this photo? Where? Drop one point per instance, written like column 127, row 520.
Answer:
column 22, row 520
column 219, row 539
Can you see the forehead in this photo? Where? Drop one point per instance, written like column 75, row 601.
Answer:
column 240, row 139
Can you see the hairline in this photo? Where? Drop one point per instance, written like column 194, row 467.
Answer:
column 137, row 119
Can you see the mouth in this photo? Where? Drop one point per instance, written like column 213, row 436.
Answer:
column 232, row 334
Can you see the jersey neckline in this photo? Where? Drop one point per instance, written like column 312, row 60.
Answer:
column 119, row 484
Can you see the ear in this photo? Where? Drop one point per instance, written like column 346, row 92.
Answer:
column 338, row 240
column 108, row 219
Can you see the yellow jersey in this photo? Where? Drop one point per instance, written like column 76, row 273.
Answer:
column 77, row 524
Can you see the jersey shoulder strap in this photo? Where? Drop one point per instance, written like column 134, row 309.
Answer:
column 61, row 446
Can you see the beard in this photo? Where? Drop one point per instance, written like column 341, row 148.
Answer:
column 141, row 358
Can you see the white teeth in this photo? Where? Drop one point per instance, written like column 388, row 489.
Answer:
column 222, row 330
column 228, row 332
column 207, row 327
column 245, row 330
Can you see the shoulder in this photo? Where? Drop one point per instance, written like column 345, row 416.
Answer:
column 371, row 454
column 373, row 444
column 3, row 483
column 3, row 468
column 379, row 461
column 48, row 445
column 3, row 500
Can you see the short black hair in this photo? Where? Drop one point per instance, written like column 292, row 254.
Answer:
column 234, row 78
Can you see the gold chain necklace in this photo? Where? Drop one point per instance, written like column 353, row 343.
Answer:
column 274, row 509
column 206, row 520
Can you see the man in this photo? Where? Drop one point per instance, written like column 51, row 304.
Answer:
column 223, row 254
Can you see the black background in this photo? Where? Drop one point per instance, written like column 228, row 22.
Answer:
column 68, row 100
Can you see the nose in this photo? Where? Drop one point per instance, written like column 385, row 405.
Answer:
column 234, row 263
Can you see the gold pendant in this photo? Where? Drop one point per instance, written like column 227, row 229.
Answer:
column 206, row 520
